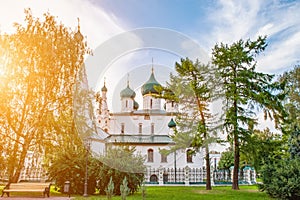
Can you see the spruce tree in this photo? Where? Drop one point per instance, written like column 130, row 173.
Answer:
column 245, row 91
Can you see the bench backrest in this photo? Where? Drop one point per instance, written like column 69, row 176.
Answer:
column 29, row 185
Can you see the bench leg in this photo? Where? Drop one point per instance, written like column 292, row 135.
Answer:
column 7, row 194
column 46, row 193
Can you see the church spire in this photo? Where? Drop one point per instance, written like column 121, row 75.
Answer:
column 104, row 89
column 78, row 24
column 152, row 69
column 128, row 80
column 103, row 117
column 78, row 36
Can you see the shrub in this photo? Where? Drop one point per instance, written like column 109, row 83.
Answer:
column 110, row 189
column 143, row 188
column 70, row 166
column 281, row 179
column 124, row 189
column 119, row 163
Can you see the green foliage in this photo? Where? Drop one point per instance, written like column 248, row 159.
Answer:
column 191, row 87
column 124, row 189
column 292, row 105
column 260, row 147
column 281, row 179
column 245, row 91
column 226, row 160
column 281, row 176
column 294, row 144
column 118, row 163
column 110, row 189
column 70, row 165
column 41, row 60
column 69, row 157
column 143, row 191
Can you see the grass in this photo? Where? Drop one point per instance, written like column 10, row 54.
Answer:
column 194, row 192
column 181, row 192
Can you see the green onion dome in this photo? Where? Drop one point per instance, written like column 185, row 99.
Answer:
column 127, row 92
column 171, row 124
column 135, row 105
column 148, row 87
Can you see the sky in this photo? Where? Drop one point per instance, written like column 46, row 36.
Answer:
column 130, row 37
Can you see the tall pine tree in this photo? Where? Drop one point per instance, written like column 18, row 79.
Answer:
column 245, row 91
column 192, row 90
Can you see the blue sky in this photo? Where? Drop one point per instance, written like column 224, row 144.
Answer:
column 177, row 15
column 209, row 22
column 205, row 22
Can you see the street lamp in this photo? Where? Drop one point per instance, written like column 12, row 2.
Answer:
column 85, row 193
column 172, row 125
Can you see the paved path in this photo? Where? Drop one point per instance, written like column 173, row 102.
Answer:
column 34, row 198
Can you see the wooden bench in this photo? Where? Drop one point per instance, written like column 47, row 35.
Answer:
column 27, row 187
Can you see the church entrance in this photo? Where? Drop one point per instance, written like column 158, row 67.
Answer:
column 153, row 178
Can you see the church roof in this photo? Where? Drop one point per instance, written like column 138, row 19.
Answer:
column 127, row 92
column 136, row 105
column 171, row 124
column 149, row 86
column 104, row 89
column 139, row 139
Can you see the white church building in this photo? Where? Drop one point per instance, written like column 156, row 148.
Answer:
column 149, row 128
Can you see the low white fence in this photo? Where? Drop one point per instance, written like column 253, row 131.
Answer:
column 190, row 176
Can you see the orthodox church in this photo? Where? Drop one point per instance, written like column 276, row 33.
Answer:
column 149, row 130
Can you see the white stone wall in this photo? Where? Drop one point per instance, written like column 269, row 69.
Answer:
column 171, row 107
column 181, row 157
column 127, row 105
column 147, row 105
column 131, row 123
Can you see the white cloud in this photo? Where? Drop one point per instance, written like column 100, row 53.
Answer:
column 234, row 20
column 95, row 23
column 282, row 55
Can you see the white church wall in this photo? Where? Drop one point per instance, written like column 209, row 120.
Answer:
column 149, row 102
column 132, row 124
column 127, row 105
column 180, row 157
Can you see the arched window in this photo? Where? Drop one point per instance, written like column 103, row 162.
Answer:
column 150, row 155
column 189, row 156
column 152, row 128
column 153, row 178
column 151, row 102
column 163, row 158
column 140, row 128
column 126, row 103
column 122, row 128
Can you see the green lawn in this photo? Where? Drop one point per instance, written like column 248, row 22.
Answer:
column 181, row 192
column 197, row 193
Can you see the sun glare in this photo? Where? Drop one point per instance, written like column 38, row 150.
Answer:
column 1, row 70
